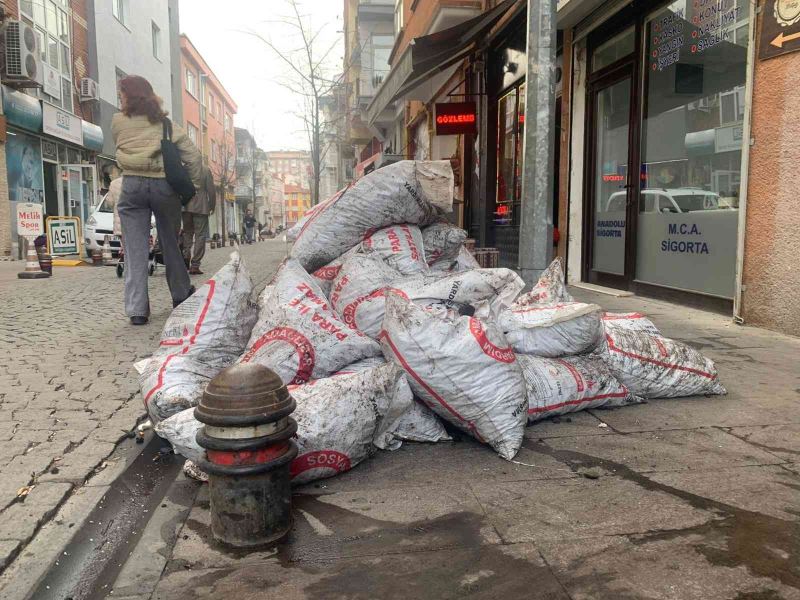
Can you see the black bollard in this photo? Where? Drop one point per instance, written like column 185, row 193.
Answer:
column 247, row 437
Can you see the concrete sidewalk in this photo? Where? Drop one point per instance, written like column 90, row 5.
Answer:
column 683, row 499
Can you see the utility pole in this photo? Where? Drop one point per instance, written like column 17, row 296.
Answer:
column 536, row 226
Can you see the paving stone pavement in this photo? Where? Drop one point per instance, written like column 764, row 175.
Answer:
column 68, row 390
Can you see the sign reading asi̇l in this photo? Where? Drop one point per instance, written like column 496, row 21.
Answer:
column 29, row 219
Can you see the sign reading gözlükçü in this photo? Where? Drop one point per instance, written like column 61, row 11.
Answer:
column 453, row 118
column 780, row 29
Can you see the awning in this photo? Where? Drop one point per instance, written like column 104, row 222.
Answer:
column 431, row 55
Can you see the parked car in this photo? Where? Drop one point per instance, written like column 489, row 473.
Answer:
column 664, row 200
column 100, row 224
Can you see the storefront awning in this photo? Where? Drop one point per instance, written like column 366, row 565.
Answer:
column 431, row 55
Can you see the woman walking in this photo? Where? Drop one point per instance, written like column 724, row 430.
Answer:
column 137, row 133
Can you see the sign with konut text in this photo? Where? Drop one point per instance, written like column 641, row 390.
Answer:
column 453, row 118
column 29, row 219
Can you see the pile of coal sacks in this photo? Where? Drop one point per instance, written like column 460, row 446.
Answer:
column 382, row 325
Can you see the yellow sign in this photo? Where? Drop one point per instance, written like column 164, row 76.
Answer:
column 230, row 197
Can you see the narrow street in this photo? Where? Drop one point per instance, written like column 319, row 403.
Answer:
column 68, row 389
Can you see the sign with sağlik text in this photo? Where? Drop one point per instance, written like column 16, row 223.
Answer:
column 61, row 124
column 780, row 28
column 453, row 118
column 63, row 235
column 29, row 219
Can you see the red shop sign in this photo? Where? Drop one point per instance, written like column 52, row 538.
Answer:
column 453, row 118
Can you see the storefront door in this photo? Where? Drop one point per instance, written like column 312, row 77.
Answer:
column 612, row 190
column 666, row 105
column 78, row 183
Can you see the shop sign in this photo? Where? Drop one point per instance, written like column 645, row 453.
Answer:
column 22, row 110
column 29, row 219
column 729, row 139
column 61, row 124
column 780, row 28
column 453, row 118
column 63, row 235
column 92, row 136
column 51, row 81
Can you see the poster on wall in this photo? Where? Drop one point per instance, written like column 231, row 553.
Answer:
column 24, row 164
column 780, row 28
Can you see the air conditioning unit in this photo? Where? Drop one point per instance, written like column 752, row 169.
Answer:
column 89, row 90
column 19, row 54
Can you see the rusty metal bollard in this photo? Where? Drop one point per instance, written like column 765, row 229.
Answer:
column 247, row 437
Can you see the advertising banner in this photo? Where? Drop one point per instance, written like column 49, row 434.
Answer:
column 24, row 164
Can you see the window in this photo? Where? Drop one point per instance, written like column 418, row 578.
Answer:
column 192, row 131
column 214, row 152
column 191, row 82
column 119, row 8
column 51, row 22
column 212, row 105
column 219, row 109
column 120, row 76
column 398, row 16
column 156, row 40
column 227, row 122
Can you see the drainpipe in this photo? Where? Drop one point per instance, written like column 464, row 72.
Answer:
column 536, row 226
column 745, row 178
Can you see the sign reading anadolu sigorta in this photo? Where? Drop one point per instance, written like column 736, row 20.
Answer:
column 780, row 28
column 453, row 118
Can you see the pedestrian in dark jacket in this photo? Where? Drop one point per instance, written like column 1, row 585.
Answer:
column 250, row 226
column 137, row 133
column 195, row 222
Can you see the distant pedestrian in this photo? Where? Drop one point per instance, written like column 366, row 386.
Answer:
column 137, row 132
column 250, row 226
column 195, row 222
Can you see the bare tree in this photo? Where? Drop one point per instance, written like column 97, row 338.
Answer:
column 224, row 172
column 309, row 78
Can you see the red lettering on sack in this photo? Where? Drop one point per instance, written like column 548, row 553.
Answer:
column 349, row 312
column 327, row 273
column 320, row 459
column 212, row 287
column 505, row 355
column 304, row 349
column 410, row 241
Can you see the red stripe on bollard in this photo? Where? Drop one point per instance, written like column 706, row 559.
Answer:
column 247, row 457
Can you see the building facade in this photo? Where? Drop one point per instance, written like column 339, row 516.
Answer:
column 131, row 40
column 336, row 151
column 251, row 189
column 291, row 166
column 298, row 201
column 208, row 112
column 671, row 141
column 277, row 203
column 50, row 139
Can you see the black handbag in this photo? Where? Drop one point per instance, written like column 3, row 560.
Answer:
column 176, row 174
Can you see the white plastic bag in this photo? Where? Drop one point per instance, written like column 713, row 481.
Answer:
column 550, row 288
column 557, row 386
column 180, row 430
column 298, row 335
column 633, row 321
column 325, row 276
column 462, row 369
column 416, row 424
column 338, row 419
column 653, row 366
column 442, row 242
column 552, row 330
column 415, row 192
column 464, row 262
column 202, row 336
column 400, row 247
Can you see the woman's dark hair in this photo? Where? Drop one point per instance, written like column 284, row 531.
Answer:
column 140, row 99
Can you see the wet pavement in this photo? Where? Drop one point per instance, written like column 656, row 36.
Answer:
column 680, row 499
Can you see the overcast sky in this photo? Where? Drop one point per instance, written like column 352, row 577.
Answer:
column 249, row 70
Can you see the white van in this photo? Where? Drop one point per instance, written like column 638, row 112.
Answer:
column 663, row 200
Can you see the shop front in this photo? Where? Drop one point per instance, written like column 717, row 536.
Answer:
column 665, row 103
column 50, row 158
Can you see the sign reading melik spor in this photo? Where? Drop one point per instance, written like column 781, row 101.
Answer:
column 29, row 219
